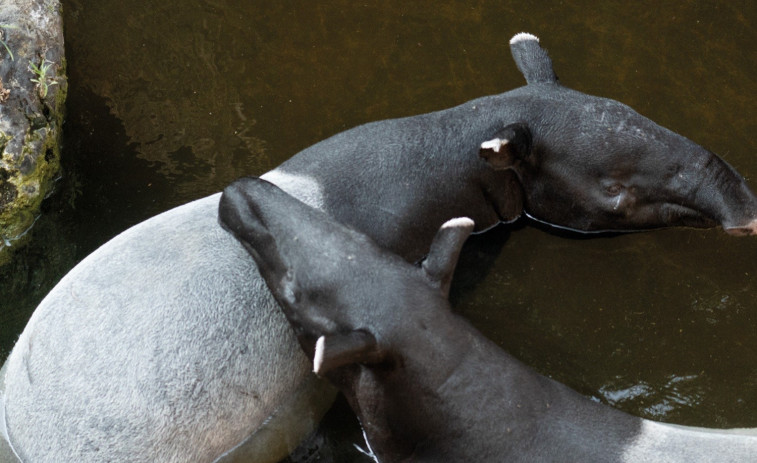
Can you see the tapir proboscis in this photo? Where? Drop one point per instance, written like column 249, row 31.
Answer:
column 163, row 346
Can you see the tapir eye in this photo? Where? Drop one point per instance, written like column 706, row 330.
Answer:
column 614, row 189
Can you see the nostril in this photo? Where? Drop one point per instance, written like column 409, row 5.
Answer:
column 744, row 230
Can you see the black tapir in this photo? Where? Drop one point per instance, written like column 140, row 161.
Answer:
column 426, row 385
column 159, row 346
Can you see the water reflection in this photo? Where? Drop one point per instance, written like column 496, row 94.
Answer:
column 638, row 309
column 657, row 402
column 170, row 101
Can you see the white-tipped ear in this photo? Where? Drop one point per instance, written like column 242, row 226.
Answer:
column 337, row 350
column 320, row 349
column 440, row 263
column 532, row 60
column 523, row 36
column 497, row 153
column 495, row 145
column 509, row 145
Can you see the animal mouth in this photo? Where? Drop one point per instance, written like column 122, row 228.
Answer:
column 573, row 230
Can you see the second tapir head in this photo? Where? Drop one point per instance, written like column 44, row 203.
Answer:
column 592, row 164
column 351, row 303
column 300, row 251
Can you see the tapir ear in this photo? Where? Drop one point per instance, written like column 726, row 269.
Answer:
column 508, row 145
column 532, row 60
column 439, row 265
column 337, row 350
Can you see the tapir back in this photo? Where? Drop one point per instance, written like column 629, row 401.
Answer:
column 208, row 349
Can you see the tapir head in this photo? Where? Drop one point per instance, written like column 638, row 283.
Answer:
column 336, row 286
column 594, row 164
column 351, row 303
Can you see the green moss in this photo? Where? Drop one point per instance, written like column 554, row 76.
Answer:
column 31, row 188
column 4, row 139
column 43, row 145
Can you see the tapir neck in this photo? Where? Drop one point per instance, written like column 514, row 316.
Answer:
column 399, row 180
column 459, row 397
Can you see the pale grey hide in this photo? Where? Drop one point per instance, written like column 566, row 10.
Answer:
column 164, row 345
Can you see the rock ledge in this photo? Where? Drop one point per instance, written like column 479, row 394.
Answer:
column 33, row 89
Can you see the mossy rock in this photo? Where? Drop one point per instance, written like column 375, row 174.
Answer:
column 33, row 89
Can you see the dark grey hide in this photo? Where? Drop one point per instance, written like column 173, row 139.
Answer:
column 583, row 162
column 426, row 386
column 162, row 346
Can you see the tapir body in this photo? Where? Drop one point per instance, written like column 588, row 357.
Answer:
column 426, row 385
column 163, row 346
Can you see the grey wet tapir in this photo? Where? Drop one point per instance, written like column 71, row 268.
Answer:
column 160, row 346
column 426, row 385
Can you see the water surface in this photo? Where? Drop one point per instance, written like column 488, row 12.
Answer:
column 171, row 100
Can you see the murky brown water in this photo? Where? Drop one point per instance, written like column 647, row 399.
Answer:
column 171, row 100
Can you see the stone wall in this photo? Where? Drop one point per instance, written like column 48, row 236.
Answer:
column 32, row 94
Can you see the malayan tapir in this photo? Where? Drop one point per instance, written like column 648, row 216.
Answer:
column 426, row 385
column 163, row 346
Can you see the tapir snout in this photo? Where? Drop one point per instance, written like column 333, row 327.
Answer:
column 747, row 229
